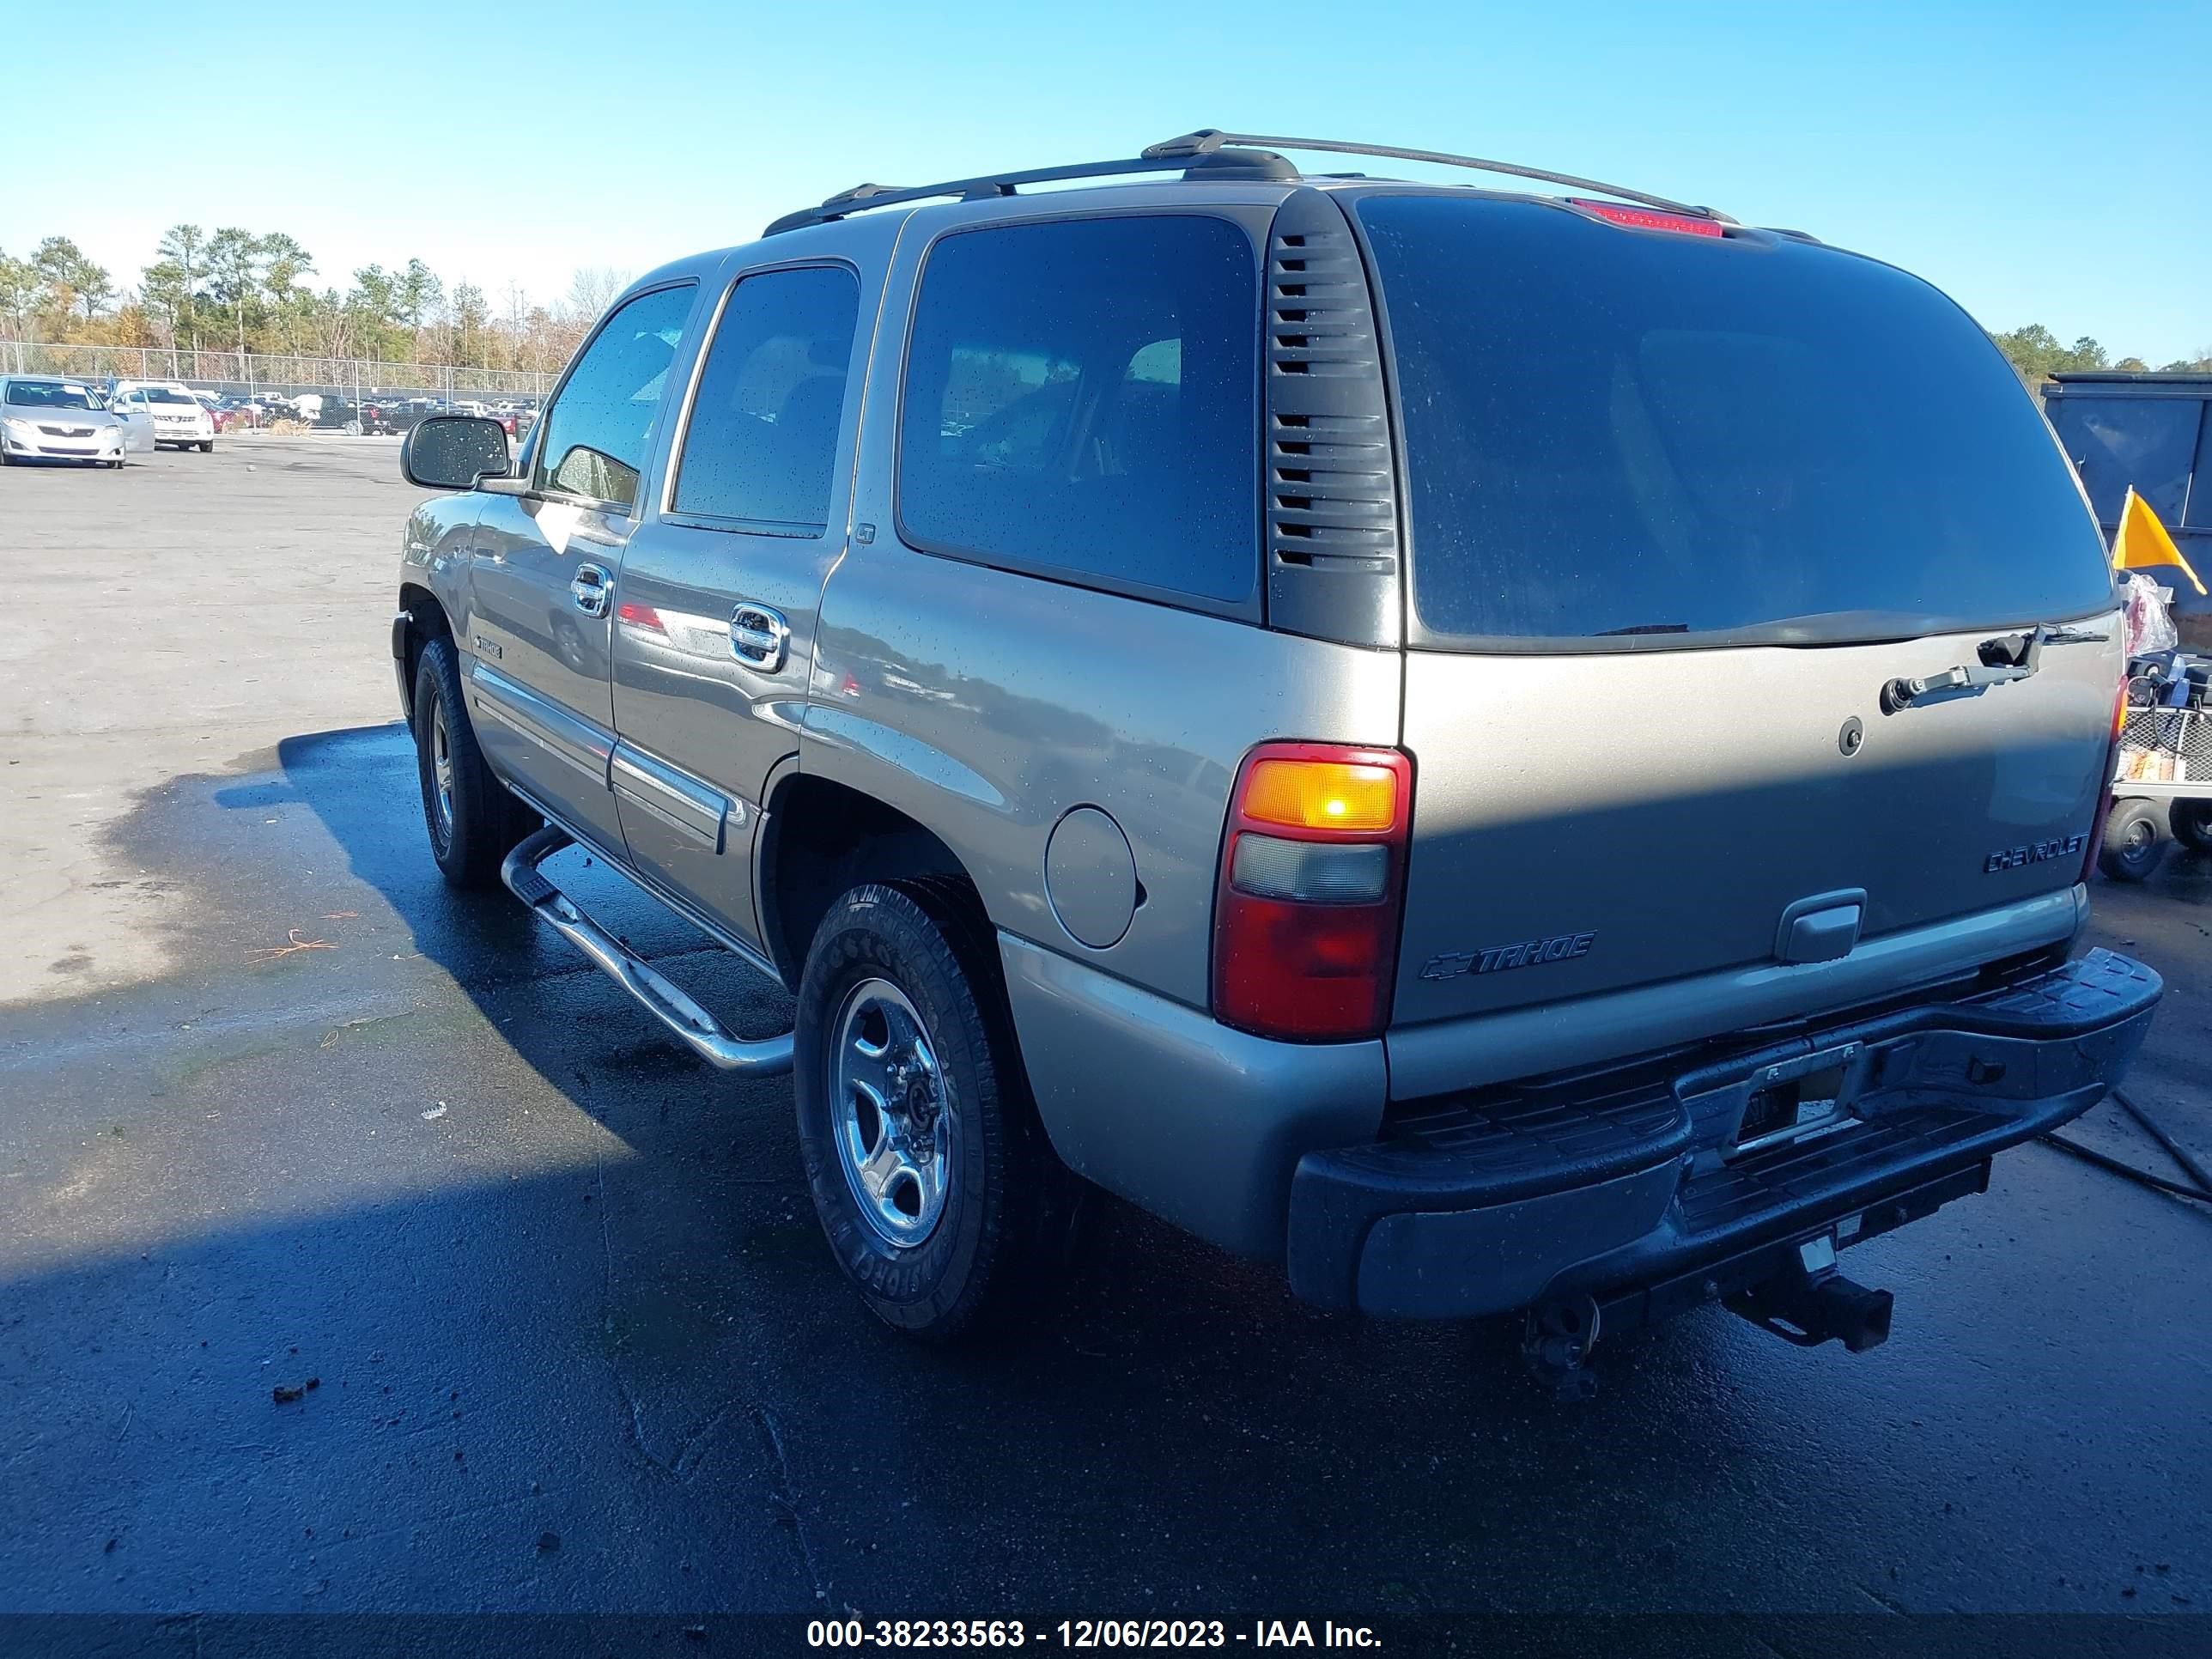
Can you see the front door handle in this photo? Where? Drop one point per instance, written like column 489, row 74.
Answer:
column 759, row 636
column 592, row 588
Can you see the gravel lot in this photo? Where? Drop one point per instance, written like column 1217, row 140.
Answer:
column 277, row 1111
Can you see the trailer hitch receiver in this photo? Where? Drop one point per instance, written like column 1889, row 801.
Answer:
column 1811, row 1303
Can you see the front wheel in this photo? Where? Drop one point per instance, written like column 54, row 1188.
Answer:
column 2133, row 845
column 937, row 1191
column 473, row 821
column 208, row 447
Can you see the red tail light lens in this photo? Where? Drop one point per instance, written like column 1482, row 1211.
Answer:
column 1306, row 917
column 1636, row 218
column 2105, row 783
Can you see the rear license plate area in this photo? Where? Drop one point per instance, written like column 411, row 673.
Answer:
column 1795, row 1098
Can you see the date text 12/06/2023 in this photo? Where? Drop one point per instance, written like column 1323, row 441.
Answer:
column 1086, row 1633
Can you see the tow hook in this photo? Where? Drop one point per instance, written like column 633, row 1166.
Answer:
column 1811, row 1303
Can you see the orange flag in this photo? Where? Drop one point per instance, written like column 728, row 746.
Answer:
column 2143, row 542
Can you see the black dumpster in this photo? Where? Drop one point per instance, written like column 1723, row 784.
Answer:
column 2152, row 431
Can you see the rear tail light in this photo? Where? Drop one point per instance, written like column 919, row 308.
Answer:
column 1638, row 218
column 1305, row 923
column 2105, row 781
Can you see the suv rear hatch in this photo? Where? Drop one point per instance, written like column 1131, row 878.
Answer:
column 1681, row 506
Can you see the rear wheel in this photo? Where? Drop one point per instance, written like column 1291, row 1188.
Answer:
column 2191, row 824
column 473, row 822
column 2133, row 844
column 940, row 1197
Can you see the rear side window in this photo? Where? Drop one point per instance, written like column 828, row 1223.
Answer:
column 1081, row 399
column 2149, row 443
column 596, row 430
column 1644, row 434
column 760, row 448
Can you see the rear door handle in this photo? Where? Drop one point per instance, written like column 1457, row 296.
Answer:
column 759, row 636
column 591, row 589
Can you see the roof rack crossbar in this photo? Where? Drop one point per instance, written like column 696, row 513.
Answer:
column 1207, row 140
column 863, row 196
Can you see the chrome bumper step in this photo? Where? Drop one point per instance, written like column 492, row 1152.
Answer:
column 692, row 1026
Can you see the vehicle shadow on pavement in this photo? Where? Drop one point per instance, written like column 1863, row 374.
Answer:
column 576, row 1342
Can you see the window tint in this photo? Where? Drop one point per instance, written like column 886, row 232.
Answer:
column 1082, row 396
column 1618, row 432
column 596, row 432
column 2148, row 442
column 762, row 444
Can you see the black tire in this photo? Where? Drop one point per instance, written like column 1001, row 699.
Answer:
column 473, row 821
column 2134, row 842
column 1003, row 1220
column 208, row 447
column 2191, row 824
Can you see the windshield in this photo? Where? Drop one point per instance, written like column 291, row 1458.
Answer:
column 161, row 394
column 1641, row 438
column 48, row 394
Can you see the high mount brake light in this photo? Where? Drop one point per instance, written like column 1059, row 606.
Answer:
column 1636, row 218
column 1306, row 917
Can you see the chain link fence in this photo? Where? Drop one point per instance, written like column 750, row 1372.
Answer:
column 250, row 371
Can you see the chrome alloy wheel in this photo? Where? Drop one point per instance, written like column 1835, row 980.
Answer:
column 890, row 1113
column 441, row 771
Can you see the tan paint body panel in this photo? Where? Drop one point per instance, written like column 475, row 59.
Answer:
column 1674, row 804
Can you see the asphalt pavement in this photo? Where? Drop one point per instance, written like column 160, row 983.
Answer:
column 279, row 1113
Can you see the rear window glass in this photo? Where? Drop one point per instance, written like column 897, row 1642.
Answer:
column 1645, row 435
column 2149, row 443
column 1081, row 397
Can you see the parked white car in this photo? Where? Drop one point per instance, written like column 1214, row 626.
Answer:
column 180, row 420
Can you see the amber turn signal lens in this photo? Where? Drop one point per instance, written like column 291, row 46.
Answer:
column 1322, row 795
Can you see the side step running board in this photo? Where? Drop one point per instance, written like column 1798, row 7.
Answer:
column 698, row 1030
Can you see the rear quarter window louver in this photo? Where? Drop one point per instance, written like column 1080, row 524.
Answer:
column 1332, row 509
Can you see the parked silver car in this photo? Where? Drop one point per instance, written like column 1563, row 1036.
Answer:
column 48, row 417
column 1501, row 752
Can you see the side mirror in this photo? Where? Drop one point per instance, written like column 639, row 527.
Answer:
column 451, row 452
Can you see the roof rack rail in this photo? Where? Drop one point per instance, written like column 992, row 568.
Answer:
column 863, row 196
column 1208, row 152
column 1208, row 140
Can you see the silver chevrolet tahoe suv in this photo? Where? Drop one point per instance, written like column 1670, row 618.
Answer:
column 1506, row 752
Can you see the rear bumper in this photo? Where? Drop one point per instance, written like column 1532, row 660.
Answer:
column 1618, row 1186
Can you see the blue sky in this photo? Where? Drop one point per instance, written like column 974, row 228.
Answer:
column 2042, row 161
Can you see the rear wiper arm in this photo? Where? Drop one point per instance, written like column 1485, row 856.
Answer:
column 2006, row 658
